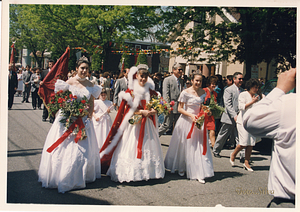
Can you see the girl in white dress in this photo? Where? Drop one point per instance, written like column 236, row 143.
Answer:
column 101, row 118
column 246, row 140
column 70, row 165
column 137, row 156
column 190, row 155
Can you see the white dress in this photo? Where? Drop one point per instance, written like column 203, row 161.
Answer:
column 185, row 155
column 20, row 82
column 102, row 127
column 245, row 138
column 71, row 164
column 125, row 166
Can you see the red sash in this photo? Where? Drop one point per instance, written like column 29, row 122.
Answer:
column 142, row 130
column 78, row 123
column 204, row 144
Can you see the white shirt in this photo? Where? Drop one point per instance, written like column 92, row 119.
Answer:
column 275, row 117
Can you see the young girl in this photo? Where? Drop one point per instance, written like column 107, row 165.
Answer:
column 133, row 152
column 101, row 118
column 190, row 155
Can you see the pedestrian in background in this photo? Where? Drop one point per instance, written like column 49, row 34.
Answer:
column 35, row 80
column 20, row 82
column 210, row 93
column 12, row 85
column 121, row 85
column 172, row 87
column 247, row 99
column 43, row 75
column 26, row 84
column 229, row 117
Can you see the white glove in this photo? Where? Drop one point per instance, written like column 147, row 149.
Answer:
column 87, row 123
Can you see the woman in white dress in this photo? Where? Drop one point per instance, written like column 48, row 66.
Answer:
column 137, row 155
column 246, row 140
column 20, row 82
column 190, row 155
column 101, row 118
column 70, row 165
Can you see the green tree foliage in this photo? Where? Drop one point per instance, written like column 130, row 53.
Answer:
column 127, row 61
column 25, row 30
column 86, row 26
column 261, row 34
column 96, row 63
column 141, row 59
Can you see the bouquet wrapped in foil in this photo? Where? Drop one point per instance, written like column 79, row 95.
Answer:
column 135, row 119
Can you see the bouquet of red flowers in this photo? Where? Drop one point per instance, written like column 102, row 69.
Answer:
column 71, row 108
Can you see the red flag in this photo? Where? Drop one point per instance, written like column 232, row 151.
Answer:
column 58, row 71
column 12, row 56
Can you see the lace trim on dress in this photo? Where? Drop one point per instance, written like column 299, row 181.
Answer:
column 127, row 169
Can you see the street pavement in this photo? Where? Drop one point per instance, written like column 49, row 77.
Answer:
column 230, row 187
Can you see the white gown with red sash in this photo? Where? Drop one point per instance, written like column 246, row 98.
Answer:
column 189, row 155
column 70, row 165
column 133, row 152
column 102, row 127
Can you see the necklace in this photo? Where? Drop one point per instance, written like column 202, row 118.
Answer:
column 79, row 78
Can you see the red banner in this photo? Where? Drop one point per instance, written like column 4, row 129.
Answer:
column 58, row 71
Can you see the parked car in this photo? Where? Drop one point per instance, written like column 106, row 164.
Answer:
column 270, row 85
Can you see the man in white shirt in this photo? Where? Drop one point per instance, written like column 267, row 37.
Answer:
column 275, row 117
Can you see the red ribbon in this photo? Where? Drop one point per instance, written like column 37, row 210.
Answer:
column 78, row 123
column 204, row 130
column 142, row 131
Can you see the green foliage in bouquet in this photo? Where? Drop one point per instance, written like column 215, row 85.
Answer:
column 215, row 109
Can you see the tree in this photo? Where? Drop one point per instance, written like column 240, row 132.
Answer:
column 125, row 59
column 26, row 31
column 141, row 59
column 95, row 25
column 261, row 34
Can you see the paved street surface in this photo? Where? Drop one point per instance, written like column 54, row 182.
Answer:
column 230, row 187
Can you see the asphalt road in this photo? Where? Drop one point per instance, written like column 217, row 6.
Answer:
column 230, row 187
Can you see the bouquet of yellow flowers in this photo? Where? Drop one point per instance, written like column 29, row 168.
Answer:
column 158, row 104
column 71, row 108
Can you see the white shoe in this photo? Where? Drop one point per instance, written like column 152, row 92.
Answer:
column 248, row 169
column 231, row 162
column 181, row 174
column 201, row 181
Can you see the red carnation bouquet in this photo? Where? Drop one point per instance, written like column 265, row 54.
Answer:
column 71, row 108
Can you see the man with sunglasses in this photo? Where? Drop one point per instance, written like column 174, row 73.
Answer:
column 172, row 86
column 229, row 117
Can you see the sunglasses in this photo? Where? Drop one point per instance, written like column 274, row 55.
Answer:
column 180, row 70
column 240, row 78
